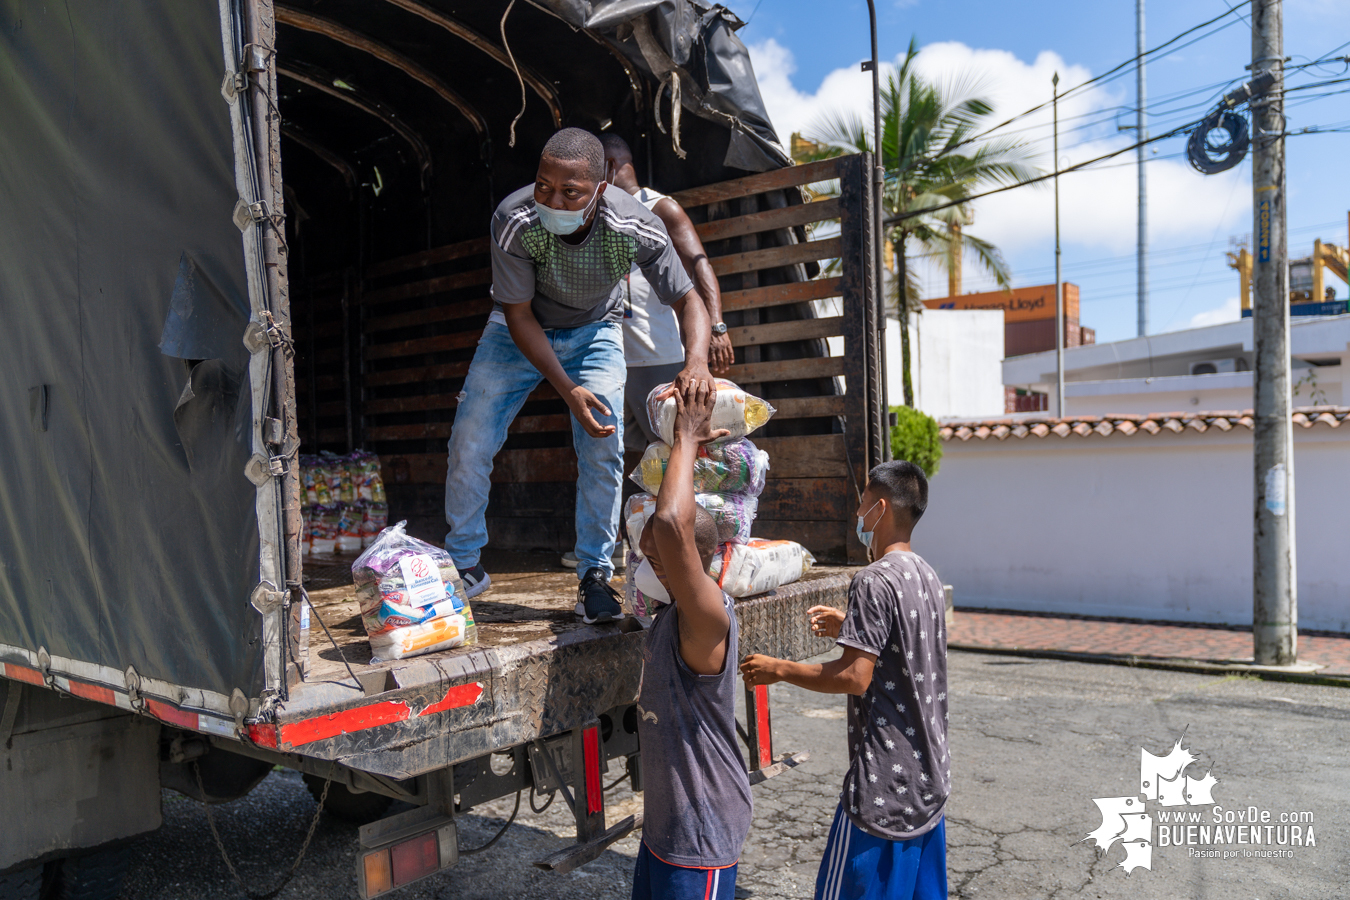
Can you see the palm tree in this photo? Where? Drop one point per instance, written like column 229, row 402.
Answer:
column 930, row 161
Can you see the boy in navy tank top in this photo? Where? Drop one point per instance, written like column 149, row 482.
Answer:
column 696, row 800
column 888, row 840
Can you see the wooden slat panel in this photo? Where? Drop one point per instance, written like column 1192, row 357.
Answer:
column 436, row 344
column 769, row 220
column 447, row 313
column 805, row 456
column 809, row 407
column 807, row 498
column 542, row 464
column 781, row 294
column 430, row 257
column 428, row 430
column 789, row 176
column 777, row 332
column 770, row 257
column 428, row 287
column 787, row 370
column 425, row 402
column 444, row 371
column 826, row 540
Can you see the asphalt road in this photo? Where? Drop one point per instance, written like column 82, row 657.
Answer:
column 1033, row 743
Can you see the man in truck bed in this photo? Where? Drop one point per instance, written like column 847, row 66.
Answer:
column 560, row 249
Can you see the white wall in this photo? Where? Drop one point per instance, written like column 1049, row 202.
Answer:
column 1141, row 526
column 956, row 362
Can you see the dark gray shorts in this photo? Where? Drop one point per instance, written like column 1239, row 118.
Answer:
column 637, row 428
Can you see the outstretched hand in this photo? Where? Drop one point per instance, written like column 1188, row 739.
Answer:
column 825, row 621
column 581, row 401
column 759, row 669
column 693, row 413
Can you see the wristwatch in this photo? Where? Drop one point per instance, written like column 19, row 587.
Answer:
column 719, row 328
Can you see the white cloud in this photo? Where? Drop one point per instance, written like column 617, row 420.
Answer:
column 1098, row 208
column 1229, row 311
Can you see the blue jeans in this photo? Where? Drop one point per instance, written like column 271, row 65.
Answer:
column 500, row 379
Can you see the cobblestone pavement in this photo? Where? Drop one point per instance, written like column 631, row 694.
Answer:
column 1033, row 740
column 979, row 629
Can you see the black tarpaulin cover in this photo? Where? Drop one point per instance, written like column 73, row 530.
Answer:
column 127, row 528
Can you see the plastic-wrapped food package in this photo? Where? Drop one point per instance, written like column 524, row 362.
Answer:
column 324, row 529
column 743, row 570
column 349, row 528
column 733, row 513
column 411, row 597
column 374, row 518
column 733, row 466
column 323, row 496
column 735, row 410
column 365, row 469
column 311, row 491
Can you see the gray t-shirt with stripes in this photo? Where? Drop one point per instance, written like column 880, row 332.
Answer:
column 577, row 284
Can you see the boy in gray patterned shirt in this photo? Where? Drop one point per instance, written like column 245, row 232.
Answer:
column 888, row 838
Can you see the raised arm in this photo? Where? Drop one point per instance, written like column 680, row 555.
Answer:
column 695, row 259
column 532, row 341
column 704, row 625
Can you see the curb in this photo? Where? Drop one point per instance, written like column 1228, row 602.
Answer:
column 1266, row 673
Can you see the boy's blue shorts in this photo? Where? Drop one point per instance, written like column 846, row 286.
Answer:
column 655, row 879
column 858, row 866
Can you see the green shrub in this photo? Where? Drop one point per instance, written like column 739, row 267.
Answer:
column 914, row 437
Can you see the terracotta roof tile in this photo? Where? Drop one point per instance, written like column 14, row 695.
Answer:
column 1131, row 424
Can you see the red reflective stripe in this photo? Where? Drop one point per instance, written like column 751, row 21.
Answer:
column 590, row 740
column 93, row 692
column 460, row 695
column 763, row 736
column 263, row 735
column 24, row 674
column 171, row 714
column 345, row 722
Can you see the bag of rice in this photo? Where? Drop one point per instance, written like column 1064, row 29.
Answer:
column 743, row 570
column 733, row 466
column 733, row 513
column 411, row 597
column 735, row 410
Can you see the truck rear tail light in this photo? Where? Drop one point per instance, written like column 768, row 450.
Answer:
column 394, row 865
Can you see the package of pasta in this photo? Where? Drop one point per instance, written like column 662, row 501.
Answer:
column 735, row 410
column 727, row 467
column 411, row 597
column 743, row 570
column 733, row 513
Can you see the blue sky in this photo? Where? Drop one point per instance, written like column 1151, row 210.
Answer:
column 806, row 57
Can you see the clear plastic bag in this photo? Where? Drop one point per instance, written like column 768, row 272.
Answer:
column 735, row 410
column 743, row 570
column 411, row 597
column 725, row 467
column 733, row 513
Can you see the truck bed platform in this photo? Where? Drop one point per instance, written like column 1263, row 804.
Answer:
column 536, row 670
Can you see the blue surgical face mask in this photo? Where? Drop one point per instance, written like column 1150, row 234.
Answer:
column 566, row 221
column 866, row 536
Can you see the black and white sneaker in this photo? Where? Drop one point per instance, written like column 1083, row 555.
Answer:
column 596, row 600
column 476, row 580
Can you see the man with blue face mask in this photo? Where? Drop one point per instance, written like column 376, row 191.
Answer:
column 888, row 840
column 560, row 249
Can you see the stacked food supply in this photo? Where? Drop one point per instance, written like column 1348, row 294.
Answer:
column 728, row 479
column 411, row 597
column 344, row 502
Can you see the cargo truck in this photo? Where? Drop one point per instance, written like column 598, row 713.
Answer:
column 236, row 230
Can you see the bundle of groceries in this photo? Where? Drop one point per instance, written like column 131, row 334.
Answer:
column 728, row 478
column 343, row 500
column 411, row 597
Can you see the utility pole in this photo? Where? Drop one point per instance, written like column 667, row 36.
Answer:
column 1141, row 133
column 1274, row 575
column 1059, row 281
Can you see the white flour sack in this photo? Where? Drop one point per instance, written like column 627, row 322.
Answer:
column 744, row 570
column 735, row 410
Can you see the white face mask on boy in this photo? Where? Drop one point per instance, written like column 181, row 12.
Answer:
column 645, row 580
